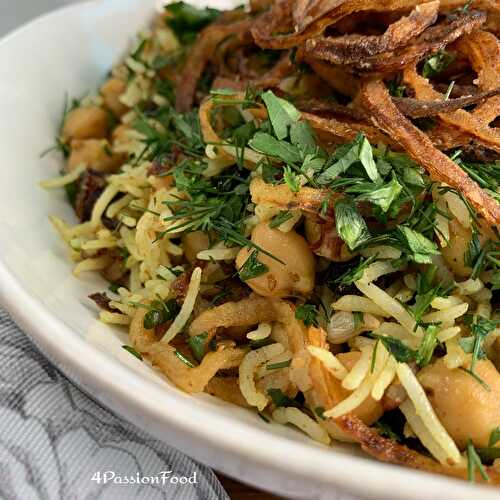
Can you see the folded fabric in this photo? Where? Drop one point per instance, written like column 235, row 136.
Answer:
column 56, row 443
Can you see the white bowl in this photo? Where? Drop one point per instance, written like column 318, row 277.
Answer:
column 70, row 52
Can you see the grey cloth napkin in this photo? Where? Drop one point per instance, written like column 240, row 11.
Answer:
column 58, row 444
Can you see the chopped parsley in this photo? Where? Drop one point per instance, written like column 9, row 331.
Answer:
column 186, row 20
column 350, row 224
column 308, row 314
column 160, row 312
column 291, row 180
column 437, row 63
column 252, row 267
column 355, row 273
column 398, row 349
column 404, row 354
column 426, row 292
column 280, row 399
column 198, row 345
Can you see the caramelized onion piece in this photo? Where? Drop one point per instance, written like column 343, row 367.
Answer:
column 378, row 102
column 415, row 108
column 251, row 311
column 348, row 49
column 270, row 79
column 302, row 20
column 483, row 51
column 429, row 42
column 279, row 19
column 308, row 199
column 199, row 56
column 461, row 120
column 315, row 105
column 334, row 76
column 347, row 129
column 193, row 380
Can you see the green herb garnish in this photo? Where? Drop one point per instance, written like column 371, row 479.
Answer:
column 198, row 345
column 132, row 351
column 427, row 346
column 308, row 314
column 280, row 399
column 279, row 366
column 320, row 411
column 279, row 219
column 187, row 21
column 160, row 312
column 350, row 225
column 437, row 63
column 473, row 463
column 400, row 351
column 252, row 267
column 184, row 359
column 480, row 329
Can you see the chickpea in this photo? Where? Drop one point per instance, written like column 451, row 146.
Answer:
column 369, row 411
column 193, row 243
column 111, row 92
column 454, row 252
column 121, row 135
column 465, row 409
column 95, row 153
column 89, row 122
column 295, row 276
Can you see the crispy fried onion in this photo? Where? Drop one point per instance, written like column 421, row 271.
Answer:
column 415, row 108
column 334, row 76
column 287, row 331
column 376, row 99
column 249, row 312
column 329, row 107
column 409, row 106
column 166, row 358
column 278, row 19
column 324, row 393
column 348, row 49
column 347, row 129
column 290, row 23
column 429, row 42
column 199, row 56
column 483, row 50
column 270, row 79
column 461, row 120
column 308, row 199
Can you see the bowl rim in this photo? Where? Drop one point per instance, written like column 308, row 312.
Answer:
column 118, row 387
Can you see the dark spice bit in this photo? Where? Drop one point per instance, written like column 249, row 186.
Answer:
column 181, row 283
column 90, row 187
column 102, row 301
column 162, row 165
